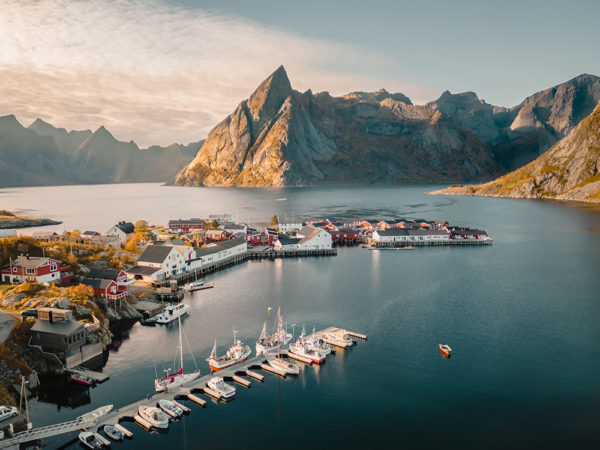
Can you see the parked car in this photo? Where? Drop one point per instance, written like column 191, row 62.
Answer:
column 30, row 313
column 7, row 411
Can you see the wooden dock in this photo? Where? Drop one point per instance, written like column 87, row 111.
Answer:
column 451, row 242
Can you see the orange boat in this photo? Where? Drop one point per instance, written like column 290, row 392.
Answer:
column 445, row 350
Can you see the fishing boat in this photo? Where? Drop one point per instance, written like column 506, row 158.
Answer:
column 236, row 354
column 82, row 379
column 278, row 363
column 114, row 433
column 170, row 408
column 154, row 416
column 445, row 350
column 339, row 338
column 197, row 286
column 317, row 343
column 178, row 378
column 172, row 313
column 266, row 342
column 301, row 348
column 89, row 440
column 223, row 389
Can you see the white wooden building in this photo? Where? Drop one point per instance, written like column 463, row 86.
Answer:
column 313, row 238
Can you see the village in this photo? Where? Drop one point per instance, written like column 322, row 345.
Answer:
column 64, row 292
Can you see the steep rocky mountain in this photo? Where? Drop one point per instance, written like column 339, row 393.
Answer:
column 28, row 159
column 283, row 137
column 570, row 170
column 45, row 155
column 279, row 136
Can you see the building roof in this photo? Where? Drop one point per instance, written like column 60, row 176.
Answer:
column 155, row 254
column 231, row 243
column 62, row 327
column 174, row 242
column 89, row 233
column 29, row 262
column 393, row 232
column 469, row 231
column 125, row 227
column 192, row 221
column 427, row 232
column 97, row 283
column 105, row 274
column 143, row 270
column 219, row 247
column 308, row 232
column 286, row 240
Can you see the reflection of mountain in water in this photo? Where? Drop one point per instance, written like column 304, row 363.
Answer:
column 120, row 331
column 57, row 389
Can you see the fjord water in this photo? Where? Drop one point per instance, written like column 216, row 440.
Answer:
column 521, row 316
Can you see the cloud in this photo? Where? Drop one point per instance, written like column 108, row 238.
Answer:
column 157, row 73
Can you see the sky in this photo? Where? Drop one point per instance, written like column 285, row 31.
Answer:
column 164, row 71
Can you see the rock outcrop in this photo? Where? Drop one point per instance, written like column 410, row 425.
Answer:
column 281, row 137
column 570, row 170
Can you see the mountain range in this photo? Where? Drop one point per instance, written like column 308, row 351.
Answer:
column 282, row 137
column 570, row 170
column 42, row 154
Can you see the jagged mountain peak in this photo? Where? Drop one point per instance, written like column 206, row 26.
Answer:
column 10, row 120
column 269, row 95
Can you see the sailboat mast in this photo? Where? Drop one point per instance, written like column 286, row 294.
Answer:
column 180, row 343
column 279, row 332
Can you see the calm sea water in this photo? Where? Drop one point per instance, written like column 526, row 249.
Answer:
column 521, row 316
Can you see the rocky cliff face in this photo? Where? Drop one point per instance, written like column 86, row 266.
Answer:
column 42, row 154
column 570, row 170
column 283, row 137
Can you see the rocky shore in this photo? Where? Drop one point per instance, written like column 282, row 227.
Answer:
column 25, row 222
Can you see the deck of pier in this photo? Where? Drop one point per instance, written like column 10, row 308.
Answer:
column 198, row 386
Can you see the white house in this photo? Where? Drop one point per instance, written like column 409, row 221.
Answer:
column 408, row 235
column 286, row 243
column 123, row 230
column 217, row 252
column 313, row 238
column 158, row 262
column 289, row 227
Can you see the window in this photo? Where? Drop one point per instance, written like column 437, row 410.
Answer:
column 14, row 269
column 30, row 271
column 53, row 268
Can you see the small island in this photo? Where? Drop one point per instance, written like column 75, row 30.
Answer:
column 10, row 220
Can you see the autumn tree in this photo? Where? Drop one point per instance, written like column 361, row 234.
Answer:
column 274, row 221
column 131, row 245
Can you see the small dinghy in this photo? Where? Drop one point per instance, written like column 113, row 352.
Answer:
column 89, row 440
column 445, row 351
column 170, row 408
column 114, row 433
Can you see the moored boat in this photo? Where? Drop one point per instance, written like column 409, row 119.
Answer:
column 301, row 348
column 172, row 313
column 82, row 379
column 223, row 389
column 154, row 416
column 445, row 350
column 317, row 343
column 268, row 343
column 89, row 440
column 178, row 378
column 236, row 354
column 339, row 338
column 288, row 367
column 197, row 286
column 114, row 433
column 170, row 408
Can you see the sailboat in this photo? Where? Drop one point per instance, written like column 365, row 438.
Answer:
column 236, row 354
column 269, row 342
column 278, row 363
column 178, row 378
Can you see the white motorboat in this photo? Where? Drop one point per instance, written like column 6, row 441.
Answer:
column 172, row 313
column 178, row 378
column 339, row 338
column 89, row 440
column 236, row 354
column 217, row 384
column 288, row 367
column 170, row 408
column 114, row 433
column 197, row 286
column 268, row 343
column 154, row 416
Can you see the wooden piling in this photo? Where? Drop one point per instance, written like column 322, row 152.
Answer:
column 241, row 381
column 196, row 399
column 256, row 376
